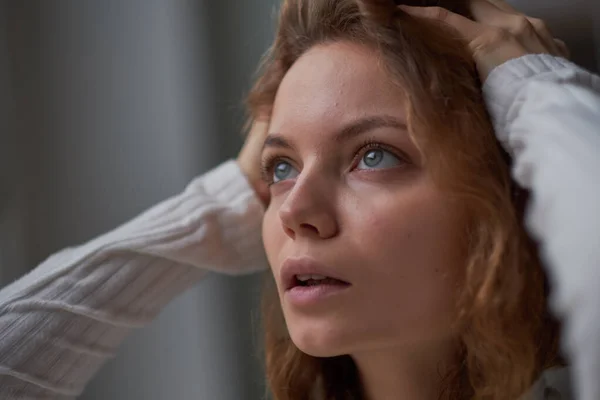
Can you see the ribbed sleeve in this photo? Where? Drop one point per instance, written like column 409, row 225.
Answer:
column 63, row 320
column 546, row 113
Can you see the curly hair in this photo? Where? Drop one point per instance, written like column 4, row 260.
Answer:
column 507, row 336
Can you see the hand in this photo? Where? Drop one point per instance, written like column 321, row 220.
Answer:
column 249, row 158
column 498, row 34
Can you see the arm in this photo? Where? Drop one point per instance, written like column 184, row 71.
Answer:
column 546, row 113
column 61, row 322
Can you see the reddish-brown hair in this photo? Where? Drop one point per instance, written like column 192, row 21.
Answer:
column 507, row 336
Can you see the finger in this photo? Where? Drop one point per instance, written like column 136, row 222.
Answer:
column 518, row 25
column 487, row 12
column 538, row 24
column 468, row 28
column 533, row 33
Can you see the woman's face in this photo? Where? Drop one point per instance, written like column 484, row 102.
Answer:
column 351, row 199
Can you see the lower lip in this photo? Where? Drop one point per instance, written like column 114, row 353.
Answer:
column 310, row 295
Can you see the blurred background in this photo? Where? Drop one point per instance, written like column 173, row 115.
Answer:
column 109, row 106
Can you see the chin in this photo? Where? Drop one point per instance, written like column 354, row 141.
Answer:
column 320, row 341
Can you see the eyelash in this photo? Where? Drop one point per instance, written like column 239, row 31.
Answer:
column 269, row 162
column 267, row 166
column 372, row 144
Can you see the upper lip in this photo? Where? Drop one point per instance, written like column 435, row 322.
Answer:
column 292, row 267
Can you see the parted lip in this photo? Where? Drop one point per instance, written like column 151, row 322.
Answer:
column 292, row 267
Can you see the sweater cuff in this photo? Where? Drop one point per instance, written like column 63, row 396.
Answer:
column 525, row 67
column 502, row 88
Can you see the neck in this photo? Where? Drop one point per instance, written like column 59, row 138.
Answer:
column 415, row 374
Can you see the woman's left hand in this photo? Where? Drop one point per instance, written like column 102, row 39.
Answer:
column 498, row 34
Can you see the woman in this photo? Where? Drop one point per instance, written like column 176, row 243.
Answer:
column 398, row 265
column 385, row 175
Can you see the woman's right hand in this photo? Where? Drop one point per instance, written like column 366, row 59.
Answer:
column 499, row 33
column 249, row 158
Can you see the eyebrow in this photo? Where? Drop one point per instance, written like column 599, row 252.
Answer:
column 356, row 128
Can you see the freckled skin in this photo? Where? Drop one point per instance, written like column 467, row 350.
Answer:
column 390, row 232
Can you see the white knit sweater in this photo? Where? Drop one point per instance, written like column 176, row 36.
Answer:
column 60, row 323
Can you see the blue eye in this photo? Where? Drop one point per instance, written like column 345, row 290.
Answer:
column 378, row 158
column 282, row 171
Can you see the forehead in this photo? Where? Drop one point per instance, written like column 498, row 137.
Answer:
column 333, row 84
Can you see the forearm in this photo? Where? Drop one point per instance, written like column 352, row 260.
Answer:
column 546, row 113
column 61, row 322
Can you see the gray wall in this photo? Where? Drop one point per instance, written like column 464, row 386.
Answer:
column 107, row 107
column 118, row 105
column 12, row 233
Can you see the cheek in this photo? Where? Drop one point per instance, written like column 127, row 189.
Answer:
column 413, row 246
column 420, row 232
column 273, row 238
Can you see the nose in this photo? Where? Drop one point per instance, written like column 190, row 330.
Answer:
column 309, row 210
